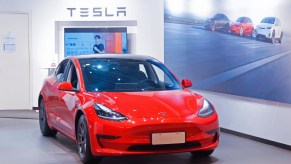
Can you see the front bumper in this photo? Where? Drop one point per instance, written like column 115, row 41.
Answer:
column 134, row 136
column 235, row 29
column 264, row 33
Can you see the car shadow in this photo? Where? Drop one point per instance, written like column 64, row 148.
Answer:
column 186, row 158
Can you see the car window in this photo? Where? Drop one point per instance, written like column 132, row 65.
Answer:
column 60, row 71
column 240, row 19
column 125, row 75
column 217, row 16
column 73, row 77
column 224, row 17
column 249, row 20
column 162, row 78
column 143, row 69
column 67, row 69
column 269, row 20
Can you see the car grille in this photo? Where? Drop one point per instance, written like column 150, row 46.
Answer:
column 149, row 147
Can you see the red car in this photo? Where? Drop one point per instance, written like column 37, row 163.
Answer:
column 125, row 105
column 243, row 26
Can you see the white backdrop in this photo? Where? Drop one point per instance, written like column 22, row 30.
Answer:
column 147, row 13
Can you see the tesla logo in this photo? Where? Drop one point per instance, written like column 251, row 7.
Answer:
column 163, row 113
column 98, row 12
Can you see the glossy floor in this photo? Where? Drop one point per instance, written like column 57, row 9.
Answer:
column 21, row 142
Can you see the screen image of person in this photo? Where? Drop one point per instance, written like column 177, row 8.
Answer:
column 98, row 47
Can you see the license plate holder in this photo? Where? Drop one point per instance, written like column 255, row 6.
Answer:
column 168, row 138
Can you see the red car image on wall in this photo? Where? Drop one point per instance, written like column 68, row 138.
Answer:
column 242, row 26
column 125, row 105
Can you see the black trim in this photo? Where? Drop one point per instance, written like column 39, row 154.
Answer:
column 101, row 136
column 213, row 131
column 34, row 108
column 95, row 30
column 257, row 139
column 149, row 147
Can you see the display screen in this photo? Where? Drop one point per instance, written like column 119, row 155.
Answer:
column 83, row 41
column 234, row 47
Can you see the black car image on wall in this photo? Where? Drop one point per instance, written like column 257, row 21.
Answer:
column 218, row 22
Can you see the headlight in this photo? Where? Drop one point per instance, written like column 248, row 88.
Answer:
column 206, row 110
column 107, row 114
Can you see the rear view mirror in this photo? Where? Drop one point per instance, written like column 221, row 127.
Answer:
column 186, row 83
column 65, row 86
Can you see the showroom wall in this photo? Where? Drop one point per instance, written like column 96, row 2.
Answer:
column 44, row 14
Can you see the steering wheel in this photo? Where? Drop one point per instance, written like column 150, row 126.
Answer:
column 146, row 84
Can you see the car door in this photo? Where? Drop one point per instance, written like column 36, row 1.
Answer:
column 218, row 21
column 52, row 91
column 224, row 21
column 69, row 101
column 248, row 28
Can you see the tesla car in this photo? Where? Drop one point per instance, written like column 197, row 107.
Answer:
column 218, row 22
column 125, row 105
column 242, row 26
column 270, row 29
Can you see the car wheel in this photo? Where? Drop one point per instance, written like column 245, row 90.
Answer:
column 273, row 38
column 281, row 37
column 241, row 32
column 44, row 128
column 83, row 141
column 212, row 27
column 202, row 153
column 253, row 33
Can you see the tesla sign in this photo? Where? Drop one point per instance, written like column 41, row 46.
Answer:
column 97, row 12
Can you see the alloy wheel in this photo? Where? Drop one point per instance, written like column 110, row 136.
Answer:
column 213, row 27
column 241, row 31
column 82, row 139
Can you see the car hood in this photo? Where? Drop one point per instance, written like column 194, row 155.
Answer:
column 236, row 23
column 177, row 103
column 265, row 25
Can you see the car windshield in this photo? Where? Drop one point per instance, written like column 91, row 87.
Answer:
column 268, row 20
column 240, row 20
column 217, row 16
column 125, row 75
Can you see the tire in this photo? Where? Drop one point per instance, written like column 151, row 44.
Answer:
column 202, row 153
column 241, row 32
column 281, row 37
column 273, row 39
column 212, row 27
column 44, row 128
column 253, row 33
column 227, row 28
column 83, row 141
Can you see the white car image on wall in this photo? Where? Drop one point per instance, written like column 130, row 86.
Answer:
column 270, row 29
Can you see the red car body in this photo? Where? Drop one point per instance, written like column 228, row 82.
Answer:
column 146, row 112
column 242, row 26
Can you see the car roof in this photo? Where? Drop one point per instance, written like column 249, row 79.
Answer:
column 114, row 56
column 270, row 18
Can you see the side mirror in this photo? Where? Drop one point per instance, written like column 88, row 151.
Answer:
column 65, row 86
column 186, row 83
